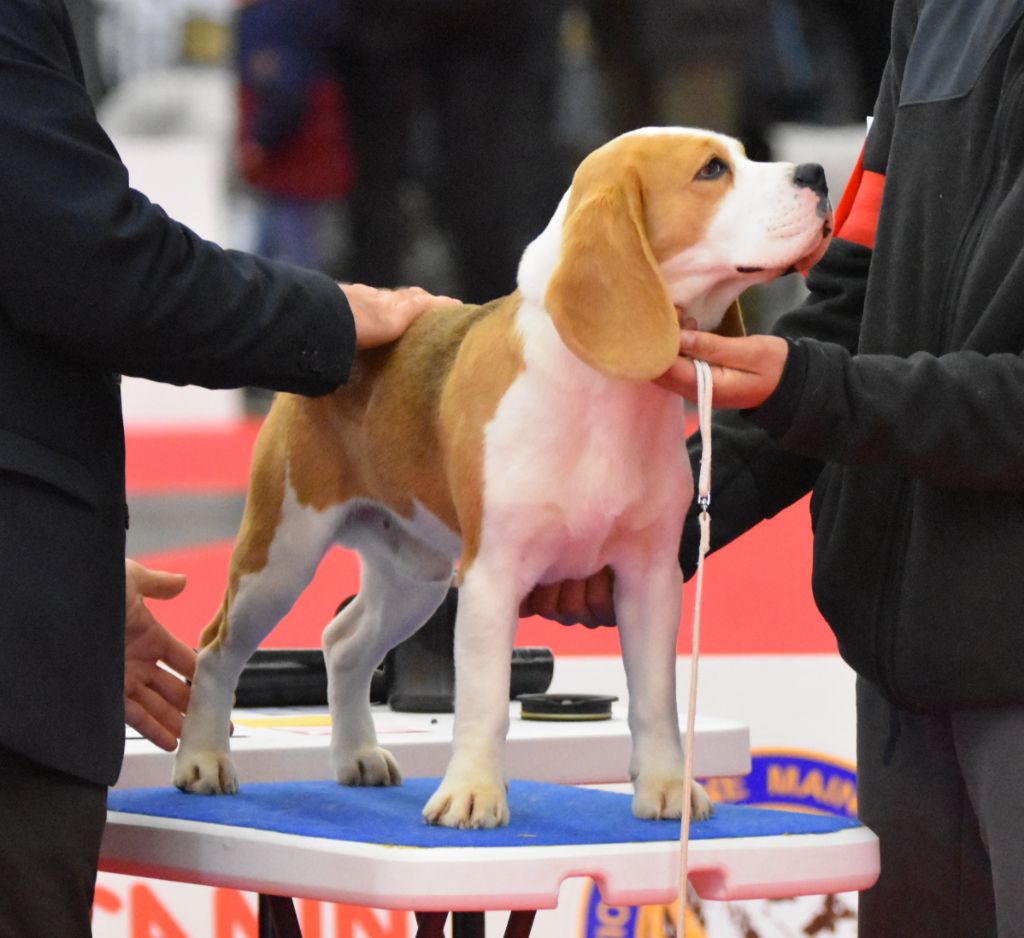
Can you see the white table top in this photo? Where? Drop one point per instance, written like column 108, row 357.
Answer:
column 291, row 744
column 482, row 879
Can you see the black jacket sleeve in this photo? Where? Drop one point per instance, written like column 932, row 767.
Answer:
column 90, row 266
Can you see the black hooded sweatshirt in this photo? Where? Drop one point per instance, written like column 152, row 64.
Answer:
column 902, row 401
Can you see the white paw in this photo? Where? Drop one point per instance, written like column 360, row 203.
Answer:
column 479, row 802
column 206, row 772
column 367, row 767
column 701, row 806
column 659, row 797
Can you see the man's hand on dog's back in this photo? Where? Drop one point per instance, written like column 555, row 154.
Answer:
column 382, row 316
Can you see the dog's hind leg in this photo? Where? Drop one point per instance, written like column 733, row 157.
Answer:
column 403, row 582
column 257, row 598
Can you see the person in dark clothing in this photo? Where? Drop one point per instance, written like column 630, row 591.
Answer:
column 485, row 72
column 896, row 396
column 95, row 281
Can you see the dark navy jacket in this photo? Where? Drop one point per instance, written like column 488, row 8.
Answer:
column 902, row 401
column 96, row 281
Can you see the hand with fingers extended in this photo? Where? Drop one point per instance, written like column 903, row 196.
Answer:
column 382, row 316
column 155, row 699
column 745, row 370
column 588, row 602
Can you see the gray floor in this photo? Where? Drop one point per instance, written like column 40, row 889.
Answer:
column 172, row 522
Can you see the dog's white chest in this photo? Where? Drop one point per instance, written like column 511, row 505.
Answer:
column 574, row 460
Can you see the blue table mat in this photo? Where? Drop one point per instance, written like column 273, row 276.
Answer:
column 542, row 815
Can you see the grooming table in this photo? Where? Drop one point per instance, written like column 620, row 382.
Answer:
column 369, row 846
column 292, row 744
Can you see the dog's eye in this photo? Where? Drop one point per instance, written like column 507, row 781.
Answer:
column 712, row 169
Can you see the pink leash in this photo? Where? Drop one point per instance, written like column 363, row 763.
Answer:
column 704, row 503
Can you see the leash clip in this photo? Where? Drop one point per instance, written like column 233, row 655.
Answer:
column 704, row 503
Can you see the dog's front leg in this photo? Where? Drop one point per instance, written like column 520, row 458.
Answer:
column 647, row 607
column 472, row 792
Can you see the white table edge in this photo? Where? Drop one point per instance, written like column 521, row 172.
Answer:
column 482, row 878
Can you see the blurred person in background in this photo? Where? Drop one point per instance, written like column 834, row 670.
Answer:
column 740, row 67
column 678, row 62
column 461, row 96
column 293, row 141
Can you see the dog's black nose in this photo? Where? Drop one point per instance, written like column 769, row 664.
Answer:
column 811, row 176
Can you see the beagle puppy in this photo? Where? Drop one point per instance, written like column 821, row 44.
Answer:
column 521, row 442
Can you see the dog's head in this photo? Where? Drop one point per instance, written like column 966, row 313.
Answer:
column 664, row 224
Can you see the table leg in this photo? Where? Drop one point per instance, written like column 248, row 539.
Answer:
column 520, row 924
column 467, row 925
column 277, row 918
column 430, row 924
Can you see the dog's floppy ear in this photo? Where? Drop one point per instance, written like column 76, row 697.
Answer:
column 606, row 296
column 731, row 325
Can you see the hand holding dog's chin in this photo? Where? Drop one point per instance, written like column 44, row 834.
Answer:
column 382, row 316
column 744, row 371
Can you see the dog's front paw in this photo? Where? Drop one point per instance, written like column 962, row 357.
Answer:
column 701, row 806
column 660, row 797
column 206, row 772
column 468, row 803
column 367, row 767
